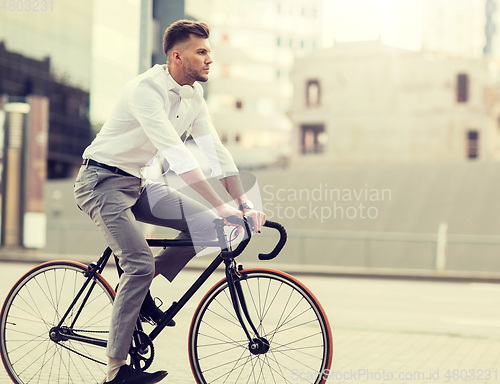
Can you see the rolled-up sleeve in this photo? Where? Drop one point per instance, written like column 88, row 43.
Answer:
column 146, row 104
column 218, row 157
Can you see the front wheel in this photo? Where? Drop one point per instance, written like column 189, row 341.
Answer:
column 33, row 349
column 294, row 331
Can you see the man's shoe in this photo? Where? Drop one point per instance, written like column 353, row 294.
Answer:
column 129, row 375
column 151, row 313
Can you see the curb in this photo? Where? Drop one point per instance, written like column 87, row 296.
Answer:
column 296, row 269
column 375, row 273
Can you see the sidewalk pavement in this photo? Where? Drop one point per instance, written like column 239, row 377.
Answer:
column 396, row 339
column 366, row 356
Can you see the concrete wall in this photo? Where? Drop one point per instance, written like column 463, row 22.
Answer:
column 396, row 200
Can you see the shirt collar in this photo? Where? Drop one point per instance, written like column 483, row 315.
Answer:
column 172, row 85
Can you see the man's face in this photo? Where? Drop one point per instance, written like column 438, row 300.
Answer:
column 196, row 59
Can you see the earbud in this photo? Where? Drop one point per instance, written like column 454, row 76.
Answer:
column 186, row 92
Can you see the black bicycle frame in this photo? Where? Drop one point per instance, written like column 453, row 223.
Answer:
column 223, row 256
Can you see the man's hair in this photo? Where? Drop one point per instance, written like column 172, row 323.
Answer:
column 180, row 31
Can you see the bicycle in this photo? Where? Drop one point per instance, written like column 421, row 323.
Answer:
column 262, row 324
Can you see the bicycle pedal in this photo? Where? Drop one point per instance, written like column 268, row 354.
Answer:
column 171, row 323
column 155, row 322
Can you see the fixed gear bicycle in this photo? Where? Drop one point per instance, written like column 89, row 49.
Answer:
column 254, row 326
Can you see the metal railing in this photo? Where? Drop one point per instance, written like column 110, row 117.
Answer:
column 441, row 239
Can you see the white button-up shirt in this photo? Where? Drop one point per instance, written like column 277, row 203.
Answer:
column 150, row 117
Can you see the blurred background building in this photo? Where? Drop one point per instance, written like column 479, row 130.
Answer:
column 365, row 102
column 254, row 46
column 48, row 53
column 127, row 39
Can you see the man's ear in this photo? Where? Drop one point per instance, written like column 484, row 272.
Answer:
column 176, row 57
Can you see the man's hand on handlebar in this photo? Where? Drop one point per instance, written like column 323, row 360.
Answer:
column 258, row 218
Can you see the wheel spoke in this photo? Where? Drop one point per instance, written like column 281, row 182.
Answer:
column 232, row 321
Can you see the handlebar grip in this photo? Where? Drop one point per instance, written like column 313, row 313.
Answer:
column 281, row 243
column 236, row 220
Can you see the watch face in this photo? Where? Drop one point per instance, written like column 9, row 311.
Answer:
column 246, row 205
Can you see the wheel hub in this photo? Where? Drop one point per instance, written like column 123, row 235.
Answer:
column 56, row 335
column 258, row 346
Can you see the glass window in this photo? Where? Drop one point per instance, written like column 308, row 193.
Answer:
column 314, row 138
column 313, row 94
column 462, row 88
column 472, row 144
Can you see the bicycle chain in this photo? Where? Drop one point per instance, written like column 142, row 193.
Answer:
column 87, row 330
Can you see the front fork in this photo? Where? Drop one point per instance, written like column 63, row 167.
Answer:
column 257, row 344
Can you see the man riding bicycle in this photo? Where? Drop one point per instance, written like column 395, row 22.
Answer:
column 152, row 113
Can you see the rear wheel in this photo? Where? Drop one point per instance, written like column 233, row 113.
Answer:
column 33, row 350
column 295, row 338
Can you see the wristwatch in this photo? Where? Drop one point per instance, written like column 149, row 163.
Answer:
column 246, row 205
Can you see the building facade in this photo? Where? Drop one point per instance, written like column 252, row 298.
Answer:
column 69, row 127
column 46, row 50
column 61, row 30
column 127, row 40
column 364, row 102
column 254, row 46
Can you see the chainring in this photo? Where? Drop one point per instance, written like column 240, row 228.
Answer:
column 142, row 351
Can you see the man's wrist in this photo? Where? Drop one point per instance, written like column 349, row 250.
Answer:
column 246, row 205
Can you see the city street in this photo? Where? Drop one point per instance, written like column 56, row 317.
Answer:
column 397, row 331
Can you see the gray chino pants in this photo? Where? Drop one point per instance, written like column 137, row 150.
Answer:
column 116, row 203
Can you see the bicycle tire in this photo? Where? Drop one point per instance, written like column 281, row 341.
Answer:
column 289, row 317
column 34, row 305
